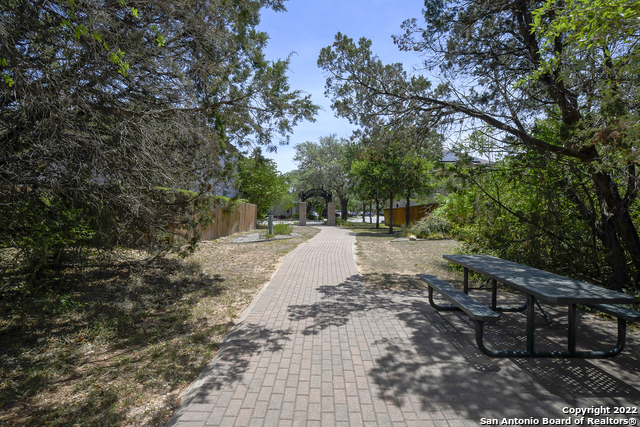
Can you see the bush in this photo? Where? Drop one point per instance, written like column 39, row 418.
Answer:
column 283, row 229
column 430, row 227
column 278, row 229
column 45, row 231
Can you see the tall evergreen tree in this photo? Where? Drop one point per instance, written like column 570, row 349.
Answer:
column 103, row 102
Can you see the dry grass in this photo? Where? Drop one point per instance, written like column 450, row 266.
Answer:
column 120, row 340
column 396, row 265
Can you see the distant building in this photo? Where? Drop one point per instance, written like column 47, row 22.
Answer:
column 450, row 157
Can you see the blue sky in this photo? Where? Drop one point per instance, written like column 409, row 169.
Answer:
column 307, row 27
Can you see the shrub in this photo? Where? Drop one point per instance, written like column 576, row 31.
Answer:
column 45, row 231
column 431, row 227
column 283, row 229
column 264, row 235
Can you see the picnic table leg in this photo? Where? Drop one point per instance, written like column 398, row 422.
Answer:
column 544, row 313
column 494, row 294
column 622, row 327
column 440, row 307
column 466, row 281
column 572, row 329
column 531, row 306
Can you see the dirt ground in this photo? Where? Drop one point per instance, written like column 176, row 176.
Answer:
column 395, row 265
column 118, row 342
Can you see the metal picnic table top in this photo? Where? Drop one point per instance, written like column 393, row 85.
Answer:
column 545, row 286
column 541, row 284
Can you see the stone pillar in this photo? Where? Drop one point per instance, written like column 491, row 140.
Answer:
column 302, row 213
column 331, row 214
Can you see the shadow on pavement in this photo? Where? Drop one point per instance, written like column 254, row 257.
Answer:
column 438, row 360
column 232, row 361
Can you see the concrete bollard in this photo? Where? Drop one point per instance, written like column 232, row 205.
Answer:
column 302, row 214
column 331, row 214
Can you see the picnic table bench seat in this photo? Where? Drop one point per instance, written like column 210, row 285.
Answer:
column 473, row 308
column 618, row 311
column 481, row 313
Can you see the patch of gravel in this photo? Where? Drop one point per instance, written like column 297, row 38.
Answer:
column 255, row 237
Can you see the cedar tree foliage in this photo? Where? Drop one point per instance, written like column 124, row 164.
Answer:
column 505, row 66
column 109, row 107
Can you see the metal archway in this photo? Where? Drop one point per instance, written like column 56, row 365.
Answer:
column 316, row 192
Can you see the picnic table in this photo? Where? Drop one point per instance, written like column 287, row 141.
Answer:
column 537, row 285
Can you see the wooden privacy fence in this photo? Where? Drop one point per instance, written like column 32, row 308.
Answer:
column 415, row 213
column 242, row 217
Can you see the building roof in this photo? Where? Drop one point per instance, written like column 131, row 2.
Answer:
column 450, row 157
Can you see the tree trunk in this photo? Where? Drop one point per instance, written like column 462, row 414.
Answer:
column 407, row 216
column 390, row 213
column 364, row 207
column 616, row 258
column 377, row 213
column 616, row 210
column 344, row 206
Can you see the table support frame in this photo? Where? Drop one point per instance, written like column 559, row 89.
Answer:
column 530, row 352
column 549, row 288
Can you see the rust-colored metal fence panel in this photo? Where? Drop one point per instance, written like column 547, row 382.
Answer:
column 415, row 213
column 243, row 217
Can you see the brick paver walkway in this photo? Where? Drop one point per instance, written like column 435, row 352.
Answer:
column 317, row 348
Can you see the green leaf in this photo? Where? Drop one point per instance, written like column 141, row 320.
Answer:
column 80, row 31
column 8, row 80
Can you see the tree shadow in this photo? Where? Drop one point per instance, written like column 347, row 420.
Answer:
column 233, row 358
column 438, row 360
column 389, row 282
column 231, row 363
column 113, row 311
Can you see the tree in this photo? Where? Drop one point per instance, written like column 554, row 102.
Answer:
column 367, row 178
column 402, row 156
column 362, row 182
column 381, row 169
column 320, row 164
column 261, row 183
column 417, row 180
column 551, row 229
column 103, row 103
column 500, row 78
